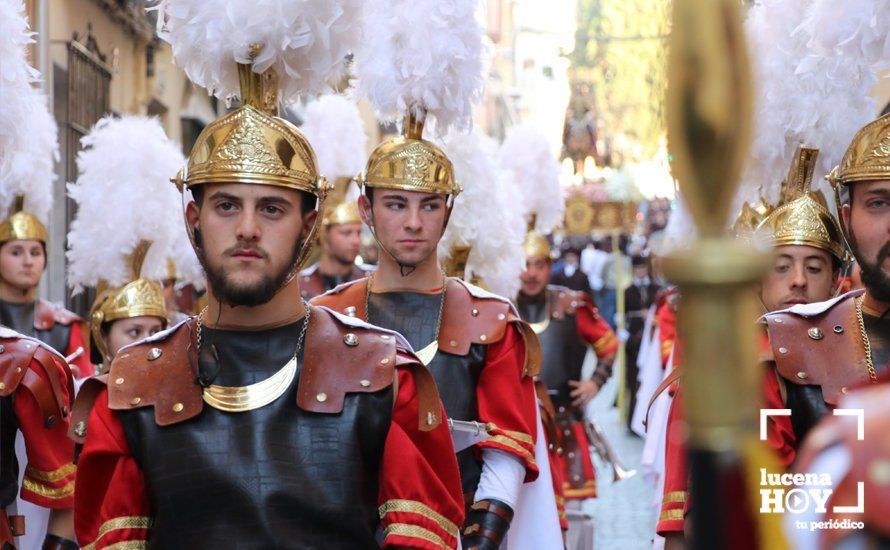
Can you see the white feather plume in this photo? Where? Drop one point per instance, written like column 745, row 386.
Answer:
column 188, row 268
column 334, row 127
column 814, row 64
column 124, row 196
column 306, row 41
column 484, row 217
column 423, row 54
column 531, row 167
column 28, row 133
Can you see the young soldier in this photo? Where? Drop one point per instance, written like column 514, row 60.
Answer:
column 264, row 422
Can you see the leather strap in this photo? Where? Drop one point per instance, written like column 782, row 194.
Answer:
column 665, row 384
column 10, row 527
column 50, row 366
column 53, row 542
column 487, row 523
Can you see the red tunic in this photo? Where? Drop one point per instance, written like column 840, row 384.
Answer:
column 49, row 475
column 36, row 390
column 576, row 467
column 421, row 505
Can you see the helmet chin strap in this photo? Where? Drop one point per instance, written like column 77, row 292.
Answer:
column 404, row 269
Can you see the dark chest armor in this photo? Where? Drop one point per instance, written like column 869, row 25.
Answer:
column 276, row 477
column 415, row 316
column 562, row 350
column 20, row 318
column 9, row 466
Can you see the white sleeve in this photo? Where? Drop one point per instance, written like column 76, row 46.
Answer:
column 502, row 477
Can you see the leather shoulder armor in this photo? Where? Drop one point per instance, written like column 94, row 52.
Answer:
column 48, row 315
column 565, row 301
column 342, row 355
column 475, row 316
column 820, row 344
column 19, row 357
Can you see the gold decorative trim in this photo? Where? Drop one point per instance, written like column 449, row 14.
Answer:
column 116, row 524
column 54, row 475
column 518, row 436
column 540, row 326
column 587, row 490
column 49, row 492
column 511, row 444
column 428, row 353
column 604, row 342
column 671, row 515
column 674, row 496
column 254, row 396
column 419, row 508
column 413, row 531
column 129, row 545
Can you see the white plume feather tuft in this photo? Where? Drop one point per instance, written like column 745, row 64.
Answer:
column 188, row 268
column 814, row 64
column 334, row 127
column 496, row 241
column 305, row 41
column 530, row 165
column 28, row 135
column 423, row 55
column 124, row 196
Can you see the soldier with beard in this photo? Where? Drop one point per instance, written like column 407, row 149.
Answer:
column 262, row 422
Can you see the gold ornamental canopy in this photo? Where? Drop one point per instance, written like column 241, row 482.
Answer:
column 21, row 225
column 410, row 163
column 138, row 298
column 802, row 217
column 868, row 156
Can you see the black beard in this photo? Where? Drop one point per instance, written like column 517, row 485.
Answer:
column 254, row 295
column 874, row 278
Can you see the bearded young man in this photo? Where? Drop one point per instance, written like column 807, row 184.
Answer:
column 480, row 353
column 264, row 422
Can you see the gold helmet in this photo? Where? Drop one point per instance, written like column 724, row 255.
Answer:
column 253, row 145
column 802, row 216
column 750, row 217
column 867, row 157
column 410, row 163
column 22, row 226
column 535, row 245
column 341, row 207
column 139, row 297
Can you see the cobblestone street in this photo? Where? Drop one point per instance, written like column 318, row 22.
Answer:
column 624, row 512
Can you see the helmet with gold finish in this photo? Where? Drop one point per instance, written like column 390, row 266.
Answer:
column 28, row 140
column 266, row 61
column 140, row 297
column 802, row 216
column 126, row 225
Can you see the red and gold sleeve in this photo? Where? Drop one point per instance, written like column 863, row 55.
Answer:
column 420, row 497
column 594, row 330
column 81, row 366
column 111, row 507
column 667, row 332
column 779, row 431
column 676, row 475
column 507, row 402
column 49, row 476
